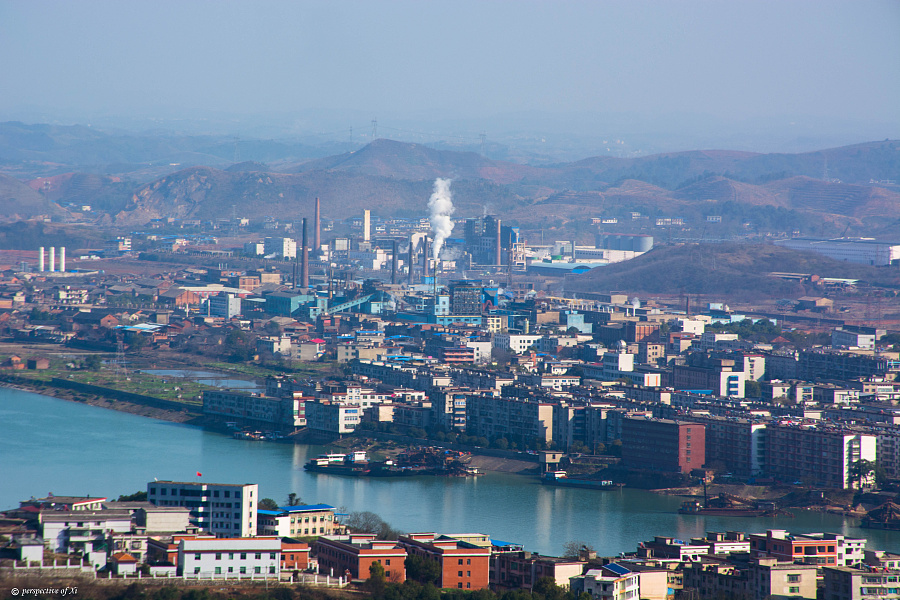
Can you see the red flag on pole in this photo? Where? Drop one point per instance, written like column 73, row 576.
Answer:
column 199, row 473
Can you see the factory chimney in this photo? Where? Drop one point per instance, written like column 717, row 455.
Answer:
column 62, row 259
column 425, row 257
column 317, row 234
column 498, row 258
column 367, row 225
column 394, row 264
column 304, row 264
column 411, row 260
column 52, row 259
column 41, row 259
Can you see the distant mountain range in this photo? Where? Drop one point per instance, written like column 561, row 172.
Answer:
column 851, row 189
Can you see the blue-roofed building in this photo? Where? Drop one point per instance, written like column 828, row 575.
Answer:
column 305, row 520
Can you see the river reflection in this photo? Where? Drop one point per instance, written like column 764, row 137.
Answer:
column 65, row 447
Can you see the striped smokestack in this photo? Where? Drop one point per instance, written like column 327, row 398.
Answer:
column 317, row 233
column 425, row 258
column 497, row 258
column 411, row 260
column 394, row 264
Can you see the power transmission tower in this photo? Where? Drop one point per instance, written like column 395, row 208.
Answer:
column 482, row 136
column 351, row 137
column 120, row 357
column 237, row 151
column 374, row 129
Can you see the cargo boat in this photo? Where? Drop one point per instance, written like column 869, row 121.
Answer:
column 560, row 478
column 353, row 464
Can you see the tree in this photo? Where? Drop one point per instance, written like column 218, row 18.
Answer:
column 859, row 472
column 422, row 569
column 576, row 548
column 267, row 504
column 294, row 500
column 135, row 497
column 376, row 581
column 752, row 389
column 93, row 362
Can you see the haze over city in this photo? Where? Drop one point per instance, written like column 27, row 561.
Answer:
column 783, row 76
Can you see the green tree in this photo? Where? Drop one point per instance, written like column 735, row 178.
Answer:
column 135, row 497
column 859, row 472
column 376, row 582
column 294, row 500
column 267, row 504
column 93, row 362
column 422, row 570
column 752, row 389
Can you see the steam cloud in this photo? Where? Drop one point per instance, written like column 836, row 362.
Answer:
column 441, row 206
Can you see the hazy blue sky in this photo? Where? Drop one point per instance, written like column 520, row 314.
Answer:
column 730, row 59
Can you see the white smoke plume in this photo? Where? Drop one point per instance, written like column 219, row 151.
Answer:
column 441, row 206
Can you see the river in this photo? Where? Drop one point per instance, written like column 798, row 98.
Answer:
column 69, row 448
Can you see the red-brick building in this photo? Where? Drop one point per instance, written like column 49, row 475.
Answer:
column 294, row 555
column 353, row 554
column 463, row 565
column 663, row 445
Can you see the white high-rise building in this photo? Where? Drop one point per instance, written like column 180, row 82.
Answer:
column 222, row 509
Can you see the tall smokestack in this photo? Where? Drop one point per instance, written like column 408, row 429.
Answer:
column 425, row 258
column 317, row 234
column 41, row 259
column 62, row 259
column 304, row 265
column 411, row 261
column 394, row 264
column 498, row 257
column 367, row 225
column 52, row 259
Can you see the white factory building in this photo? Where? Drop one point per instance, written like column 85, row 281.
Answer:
column 866, row 251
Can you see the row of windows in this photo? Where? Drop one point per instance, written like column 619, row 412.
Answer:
column 243, row 570
column 258, row 555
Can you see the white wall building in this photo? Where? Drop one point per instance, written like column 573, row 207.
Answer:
column 515, row 343
column 230, row 557
column 219, row 508
column 865, row 251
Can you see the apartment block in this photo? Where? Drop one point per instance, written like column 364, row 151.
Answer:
column 737, row 445
column 663, row 445
column 331, row 417
column 610, row 582
column 513, row 418
column 821, row 455
column 521, row 569
column 819, row 549
column 255, row 410
column 304, row 520
column 848, row 583
column 219, row 508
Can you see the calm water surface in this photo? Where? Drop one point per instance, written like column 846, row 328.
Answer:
column 67, row 448
column 222, row 380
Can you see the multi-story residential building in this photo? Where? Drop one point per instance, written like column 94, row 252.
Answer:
column 237, row 557
column 515, row 343
column 520, row 569
column 735, row 444
column 663, row 445
column 67, row 503
column 353, row 555
column 820, row 364
column 819, row 454
column 333, row 417
column 889, row 451
column 304, row 520
column 716, row 375
column 819, row 549
column 449, row 406
column 614, row 366
column 848, row 583
column 219, row 508
column 82, row 531
column 224, row 305
column 762, row 579
column 491, row 417
column 610, row 582
column 283, row 247
column 463, row 565
column 255, row 410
